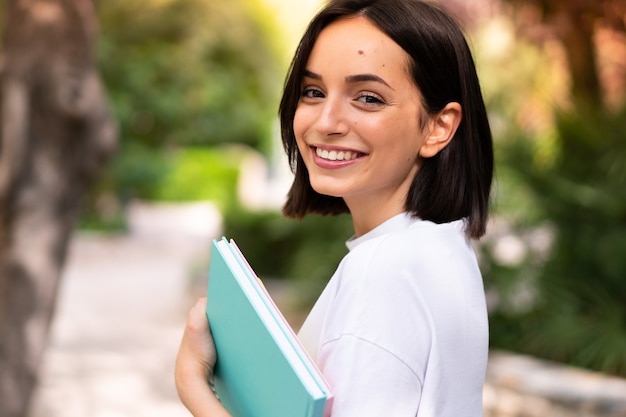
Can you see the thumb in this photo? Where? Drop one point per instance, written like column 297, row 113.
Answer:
column 197, row 355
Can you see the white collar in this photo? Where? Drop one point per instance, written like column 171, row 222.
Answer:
column 396, row 223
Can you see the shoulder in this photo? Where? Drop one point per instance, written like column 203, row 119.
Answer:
column 422, row 265
column 398, row 290
column 412, row 263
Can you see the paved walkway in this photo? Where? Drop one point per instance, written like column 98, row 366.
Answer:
column 121, row 310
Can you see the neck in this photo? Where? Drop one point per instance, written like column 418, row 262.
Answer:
column 367, row 218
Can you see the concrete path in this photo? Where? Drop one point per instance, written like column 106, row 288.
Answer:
column 121, row 311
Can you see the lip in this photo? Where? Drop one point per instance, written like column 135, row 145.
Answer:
column 335, row 164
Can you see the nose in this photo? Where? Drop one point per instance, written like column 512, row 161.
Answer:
column 331, row 120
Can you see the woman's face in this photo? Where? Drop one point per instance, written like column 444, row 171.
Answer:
column 357, row 123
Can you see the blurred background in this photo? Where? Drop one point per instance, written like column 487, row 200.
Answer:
column 135, row 131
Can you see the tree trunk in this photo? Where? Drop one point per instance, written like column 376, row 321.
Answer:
column 55, row 133
column 575, row 28
column 574, row 23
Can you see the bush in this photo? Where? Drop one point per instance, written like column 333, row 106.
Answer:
column 577, row 312
column 187, row 174
column 190, row 72
column 197, row 174
column 183, row 74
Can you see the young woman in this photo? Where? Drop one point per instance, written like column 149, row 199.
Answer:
column 382, row 117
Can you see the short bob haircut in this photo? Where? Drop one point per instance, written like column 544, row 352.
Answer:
column 454, row 184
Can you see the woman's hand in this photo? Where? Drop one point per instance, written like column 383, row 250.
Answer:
column 194, row 366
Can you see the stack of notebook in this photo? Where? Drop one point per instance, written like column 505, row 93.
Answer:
column 262, row 370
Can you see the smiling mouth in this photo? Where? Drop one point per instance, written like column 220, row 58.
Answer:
column 337, row 155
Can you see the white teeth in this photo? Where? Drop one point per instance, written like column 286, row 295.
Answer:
column 334, row 155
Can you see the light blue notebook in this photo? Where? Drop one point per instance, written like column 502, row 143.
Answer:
column 261, row 370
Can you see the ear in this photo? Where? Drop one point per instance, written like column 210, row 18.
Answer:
column 441, row 130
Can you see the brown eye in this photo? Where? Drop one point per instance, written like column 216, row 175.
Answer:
column 312, row 93
column 370, row 99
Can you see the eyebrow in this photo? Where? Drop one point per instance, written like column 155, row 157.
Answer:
column 351, row 78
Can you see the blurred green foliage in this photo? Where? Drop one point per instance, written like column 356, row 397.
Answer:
column 198, row 174
column 189, row 72
column 554, row 259
column 186, row 174
column 575, row 289
column 183, row 73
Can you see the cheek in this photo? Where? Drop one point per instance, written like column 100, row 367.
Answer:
column 300, row 123
column 405, row 151
column 300, row 143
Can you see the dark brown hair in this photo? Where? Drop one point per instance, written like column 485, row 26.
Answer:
column 454, row 184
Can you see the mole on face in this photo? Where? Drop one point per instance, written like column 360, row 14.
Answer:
column 361, row 52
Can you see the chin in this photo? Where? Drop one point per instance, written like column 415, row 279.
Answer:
column 325, row 189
